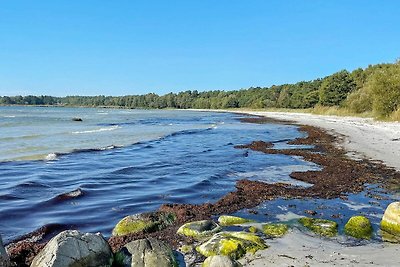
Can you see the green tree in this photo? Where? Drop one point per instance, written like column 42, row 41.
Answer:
column 335, row 88
column 384, row 86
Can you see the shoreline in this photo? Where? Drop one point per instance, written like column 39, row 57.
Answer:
column 257, row 192
column 363, row 138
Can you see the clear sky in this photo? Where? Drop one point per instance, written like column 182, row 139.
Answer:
column 120, row 47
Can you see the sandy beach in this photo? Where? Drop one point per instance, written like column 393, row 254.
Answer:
column 362, row 138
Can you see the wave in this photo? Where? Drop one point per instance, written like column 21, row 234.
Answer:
column 111, row 128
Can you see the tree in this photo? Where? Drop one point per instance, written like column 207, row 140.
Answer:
column 384, row 86
column 335, row 88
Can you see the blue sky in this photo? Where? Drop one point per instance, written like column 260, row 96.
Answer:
column 136, row 47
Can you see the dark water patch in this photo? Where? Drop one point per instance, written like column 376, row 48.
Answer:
column 70, row 195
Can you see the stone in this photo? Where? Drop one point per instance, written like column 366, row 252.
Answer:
column 275, row 229
column 4, row 258
column 391, row 219
column 321, row 227
column 232, row 244
column 358, row 227
column 227, row 220
column 143, row 222
column 199, row 229
column 220, row 261
column 253, row 229
column 148, row 252
column 75, row 249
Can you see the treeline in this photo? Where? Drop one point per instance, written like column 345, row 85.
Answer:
column 373, row 89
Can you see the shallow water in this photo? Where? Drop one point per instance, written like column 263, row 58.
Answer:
column 120, row 162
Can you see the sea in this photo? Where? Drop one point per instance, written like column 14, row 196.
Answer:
column 89, row 174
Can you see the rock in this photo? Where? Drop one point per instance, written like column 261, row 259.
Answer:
column 226, row 220
column 320, row 226
column 232, row 244
column 147, row 222
column 358, row 227
column 4, row 258
column 76, row 119
column 253, row 229
column 391, row 219
column 75, row 249
column 220, row 261
column 199, row 229
column 147, row 252
column 275, row 229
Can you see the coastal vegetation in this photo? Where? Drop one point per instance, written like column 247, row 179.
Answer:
column 374, row 91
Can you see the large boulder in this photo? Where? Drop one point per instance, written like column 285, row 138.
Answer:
column 275, row 229
column 147, row 252
column 4, row 259
column 75, row 249
column 199, row 229
column 232, row 244
column 227, row 220
column 321, row 227
column 143, row 222
column 358, row 227
column 220, row 261
column 391, row 219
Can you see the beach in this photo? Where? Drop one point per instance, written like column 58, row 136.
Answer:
column 362, row 138
column 307, row 149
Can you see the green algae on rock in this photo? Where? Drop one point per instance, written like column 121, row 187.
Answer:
column 148, row 252
column 391, row 219
column 146, row 222
column 358, row 227
column 320, row 226
column 275, row 229
column 227, row 220
column 253, row 229
column 220, row 261
column 199, row 229
column 232, row 244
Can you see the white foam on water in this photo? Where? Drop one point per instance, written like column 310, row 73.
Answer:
column 111, row 128
column 51, row 157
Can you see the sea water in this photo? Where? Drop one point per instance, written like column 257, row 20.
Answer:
column 89, row 174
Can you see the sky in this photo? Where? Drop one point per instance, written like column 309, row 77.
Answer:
column 103, row 47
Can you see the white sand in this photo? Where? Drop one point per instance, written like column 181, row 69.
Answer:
column 298, row 249
column 361, row 138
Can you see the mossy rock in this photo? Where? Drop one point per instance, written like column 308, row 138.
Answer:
column 358, row 227
column 227, row 220
column 275, row 229
column 143, row 222
column 391, row 219
column 220, row 261
column 199, row 229
column 253, row 229
column 232, row 244
column 320, row 226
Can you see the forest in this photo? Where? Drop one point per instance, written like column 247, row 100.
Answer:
column 374, row 90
